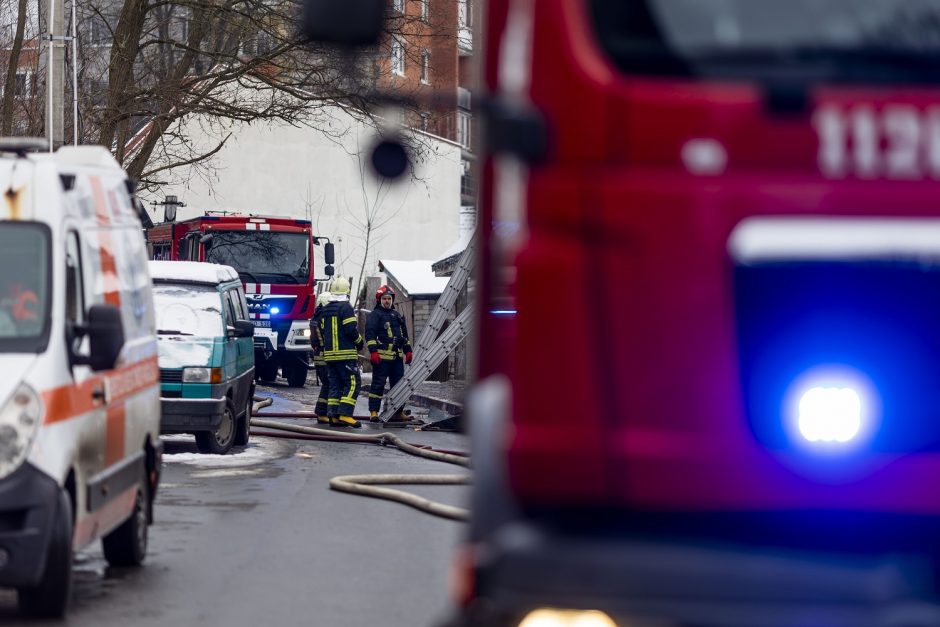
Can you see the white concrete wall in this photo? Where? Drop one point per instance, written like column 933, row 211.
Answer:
column 302, row 172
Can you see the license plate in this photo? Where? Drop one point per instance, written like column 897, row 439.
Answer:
column 262, row 323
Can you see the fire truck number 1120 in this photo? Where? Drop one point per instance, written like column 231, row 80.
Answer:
column 894, row 142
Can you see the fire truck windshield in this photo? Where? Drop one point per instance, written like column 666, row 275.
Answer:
column 840, row 40
column 263, row 256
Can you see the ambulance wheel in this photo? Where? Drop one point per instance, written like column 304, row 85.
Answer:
column 220, row 441
column 267, row 372
column 296, row 375
column 244, row 425
column 51, row 597
column 127, row 545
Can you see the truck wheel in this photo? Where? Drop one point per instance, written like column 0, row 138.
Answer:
column 267, row 372
column 51, row 597
column 220, row 441
column 127, row 545
column 244, row 425
column 296, row 375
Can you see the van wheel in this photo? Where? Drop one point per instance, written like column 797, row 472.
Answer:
column 127, row 545
column 51, row 597
column 244, row 425
column 220, row 441
column 296, row 375
column 267, row 372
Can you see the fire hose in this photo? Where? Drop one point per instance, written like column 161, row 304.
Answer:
column 369, row 485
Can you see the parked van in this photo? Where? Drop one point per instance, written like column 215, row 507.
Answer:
column 207, row 355
column 80, row 451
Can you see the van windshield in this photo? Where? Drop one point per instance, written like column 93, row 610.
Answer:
column 24, row 287
column 263, row 256
column 188, row 310
column 847, row 40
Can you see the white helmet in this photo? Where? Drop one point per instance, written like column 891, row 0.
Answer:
column 340, row 286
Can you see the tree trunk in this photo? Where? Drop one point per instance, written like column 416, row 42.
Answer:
column 6, row 126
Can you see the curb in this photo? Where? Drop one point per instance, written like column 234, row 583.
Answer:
column 430, row 402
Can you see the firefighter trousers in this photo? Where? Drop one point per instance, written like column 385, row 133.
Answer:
column 344, row 387
column 323, row 378
column 391, row 369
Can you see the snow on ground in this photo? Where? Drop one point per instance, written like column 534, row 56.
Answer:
column 259, row 451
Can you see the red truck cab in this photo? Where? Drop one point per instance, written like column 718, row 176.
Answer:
column 274, row 258
column 708, row 353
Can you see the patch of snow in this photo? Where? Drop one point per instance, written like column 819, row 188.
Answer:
column 192, row 310
column 192, row 271
column 415, row 277
column 180, row 352
column 457, row 247
column 258, row 451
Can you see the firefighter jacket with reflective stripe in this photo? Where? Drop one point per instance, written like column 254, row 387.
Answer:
column 340, row 332
column 387, row 333
column 316, row 337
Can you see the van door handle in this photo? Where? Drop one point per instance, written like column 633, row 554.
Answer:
column 99, row 393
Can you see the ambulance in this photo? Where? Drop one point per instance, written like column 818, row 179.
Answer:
column 80, row 452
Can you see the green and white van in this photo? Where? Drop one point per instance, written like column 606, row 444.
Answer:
column 207, row 358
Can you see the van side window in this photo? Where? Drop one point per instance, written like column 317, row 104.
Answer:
column 241, row 307
column 74, row 288
column 227, row 308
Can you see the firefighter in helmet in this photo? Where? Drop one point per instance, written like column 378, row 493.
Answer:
column 316, row 344
column 341, row 343
column 389, row 348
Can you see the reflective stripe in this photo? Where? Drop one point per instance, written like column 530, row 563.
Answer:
column 371, row 343
column 371, row 395
column 347, row 355
column 349, row 398
column 349, row 319
column 333, row 401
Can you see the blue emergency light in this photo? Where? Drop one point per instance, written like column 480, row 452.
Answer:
column 838, row 332
column 275, row 310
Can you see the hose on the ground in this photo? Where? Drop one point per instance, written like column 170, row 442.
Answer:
column 367, row 485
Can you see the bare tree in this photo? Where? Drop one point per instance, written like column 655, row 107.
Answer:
column 369, row 217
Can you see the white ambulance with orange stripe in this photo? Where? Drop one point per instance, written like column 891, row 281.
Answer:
column 80, row 452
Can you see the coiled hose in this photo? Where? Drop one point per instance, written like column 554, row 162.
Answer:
column 367, row 485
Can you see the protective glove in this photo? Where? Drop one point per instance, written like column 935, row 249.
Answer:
column 408, row 357
column 375, row 358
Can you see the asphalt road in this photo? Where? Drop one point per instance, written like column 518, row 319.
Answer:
column 257, row 538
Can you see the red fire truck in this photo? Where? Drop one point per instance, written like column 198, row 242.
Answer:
column 708, row 347
column 274, row 258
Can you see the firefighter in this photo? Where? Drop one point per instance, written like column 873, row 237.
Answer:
column 316, row 345
column 389, row 349
column 341, row 343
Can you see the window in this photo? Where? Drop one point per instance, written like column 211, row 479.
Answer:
column 21, row 89
column 101, row 34
column 398, row 56
column 425, row 66
column 231, row 308
column 463, row 128
column 398, row 6
column 424, row 121
column 424, row 9
column 74, row 291
column 25, row 280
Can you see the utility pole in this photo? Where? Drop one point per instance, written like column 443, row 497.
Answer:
column 55, row 73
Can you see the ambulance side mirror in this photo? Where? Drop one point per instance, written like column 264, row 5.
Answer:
column 329, row 253
column 105, row 332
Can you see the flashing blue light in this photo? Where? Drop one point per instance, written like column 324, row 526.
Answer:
column 503, row 312
column 830, row 414
column 275, row 310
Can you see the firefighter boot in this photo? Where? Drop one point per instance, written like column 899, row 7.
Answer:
column 374, row 416
column 323, row 420
column 349, row 421
column 400, row 417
